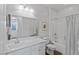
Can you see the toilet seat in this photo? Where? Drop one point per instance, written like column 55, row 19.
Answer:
column 51, row 46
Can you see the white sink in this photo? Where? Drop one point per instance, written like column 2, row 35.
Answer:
column 14, row 45
column 19, row 44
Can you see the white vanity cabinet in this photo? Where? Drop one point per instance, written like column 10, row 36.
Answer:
column 37, row 49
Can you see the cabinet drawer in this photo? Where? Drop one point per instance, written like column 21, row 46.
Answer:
column 38, row 49
column 24, row 51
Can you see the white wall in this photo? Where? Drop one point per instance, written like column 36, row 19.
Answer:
column 73, row 9
column 61, row 28
column 43, row 33
column 26, row 27
column 15, row 10
column 52, row 18
column 70, row 10
column 3, row 35
column 42, row 14
column 47, row 18
column 61, row 16
column 27, row 21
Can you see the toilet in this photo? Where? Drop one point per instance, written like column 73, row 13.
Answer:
column 50, row 47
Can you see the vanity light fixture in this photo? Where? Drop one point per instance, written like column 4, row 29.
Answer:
column 29, row 9
column 21, row 7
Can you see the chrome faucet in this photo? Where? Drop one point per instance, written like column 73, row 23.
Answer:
column 17, row 41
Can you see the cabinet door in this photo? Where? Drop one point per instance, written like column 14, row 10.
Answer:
column 38, row 49
column 24, row 51
column 35, row 50
column 42, row 49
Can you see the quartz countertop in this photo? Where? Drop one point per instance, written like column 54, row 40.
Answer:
column 24, row 43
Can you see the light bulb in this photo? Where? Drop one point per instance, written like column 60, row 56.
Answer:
column 27, row 9
column 21, row 7
column 31, row 10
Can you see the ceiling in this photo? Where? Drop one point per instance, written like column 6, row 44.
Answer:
column 57, row 6
column 40, row 8
column 53, row 6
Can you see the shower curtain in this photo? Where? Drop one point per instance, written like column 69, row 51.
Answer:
column 72, row 37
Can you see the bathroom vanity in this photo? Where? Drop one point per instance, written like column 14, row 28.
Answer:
column 28, row 46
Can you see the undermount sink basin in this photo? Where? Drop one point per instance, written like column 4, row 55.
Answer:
column 14, row 45
column 20, row 44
